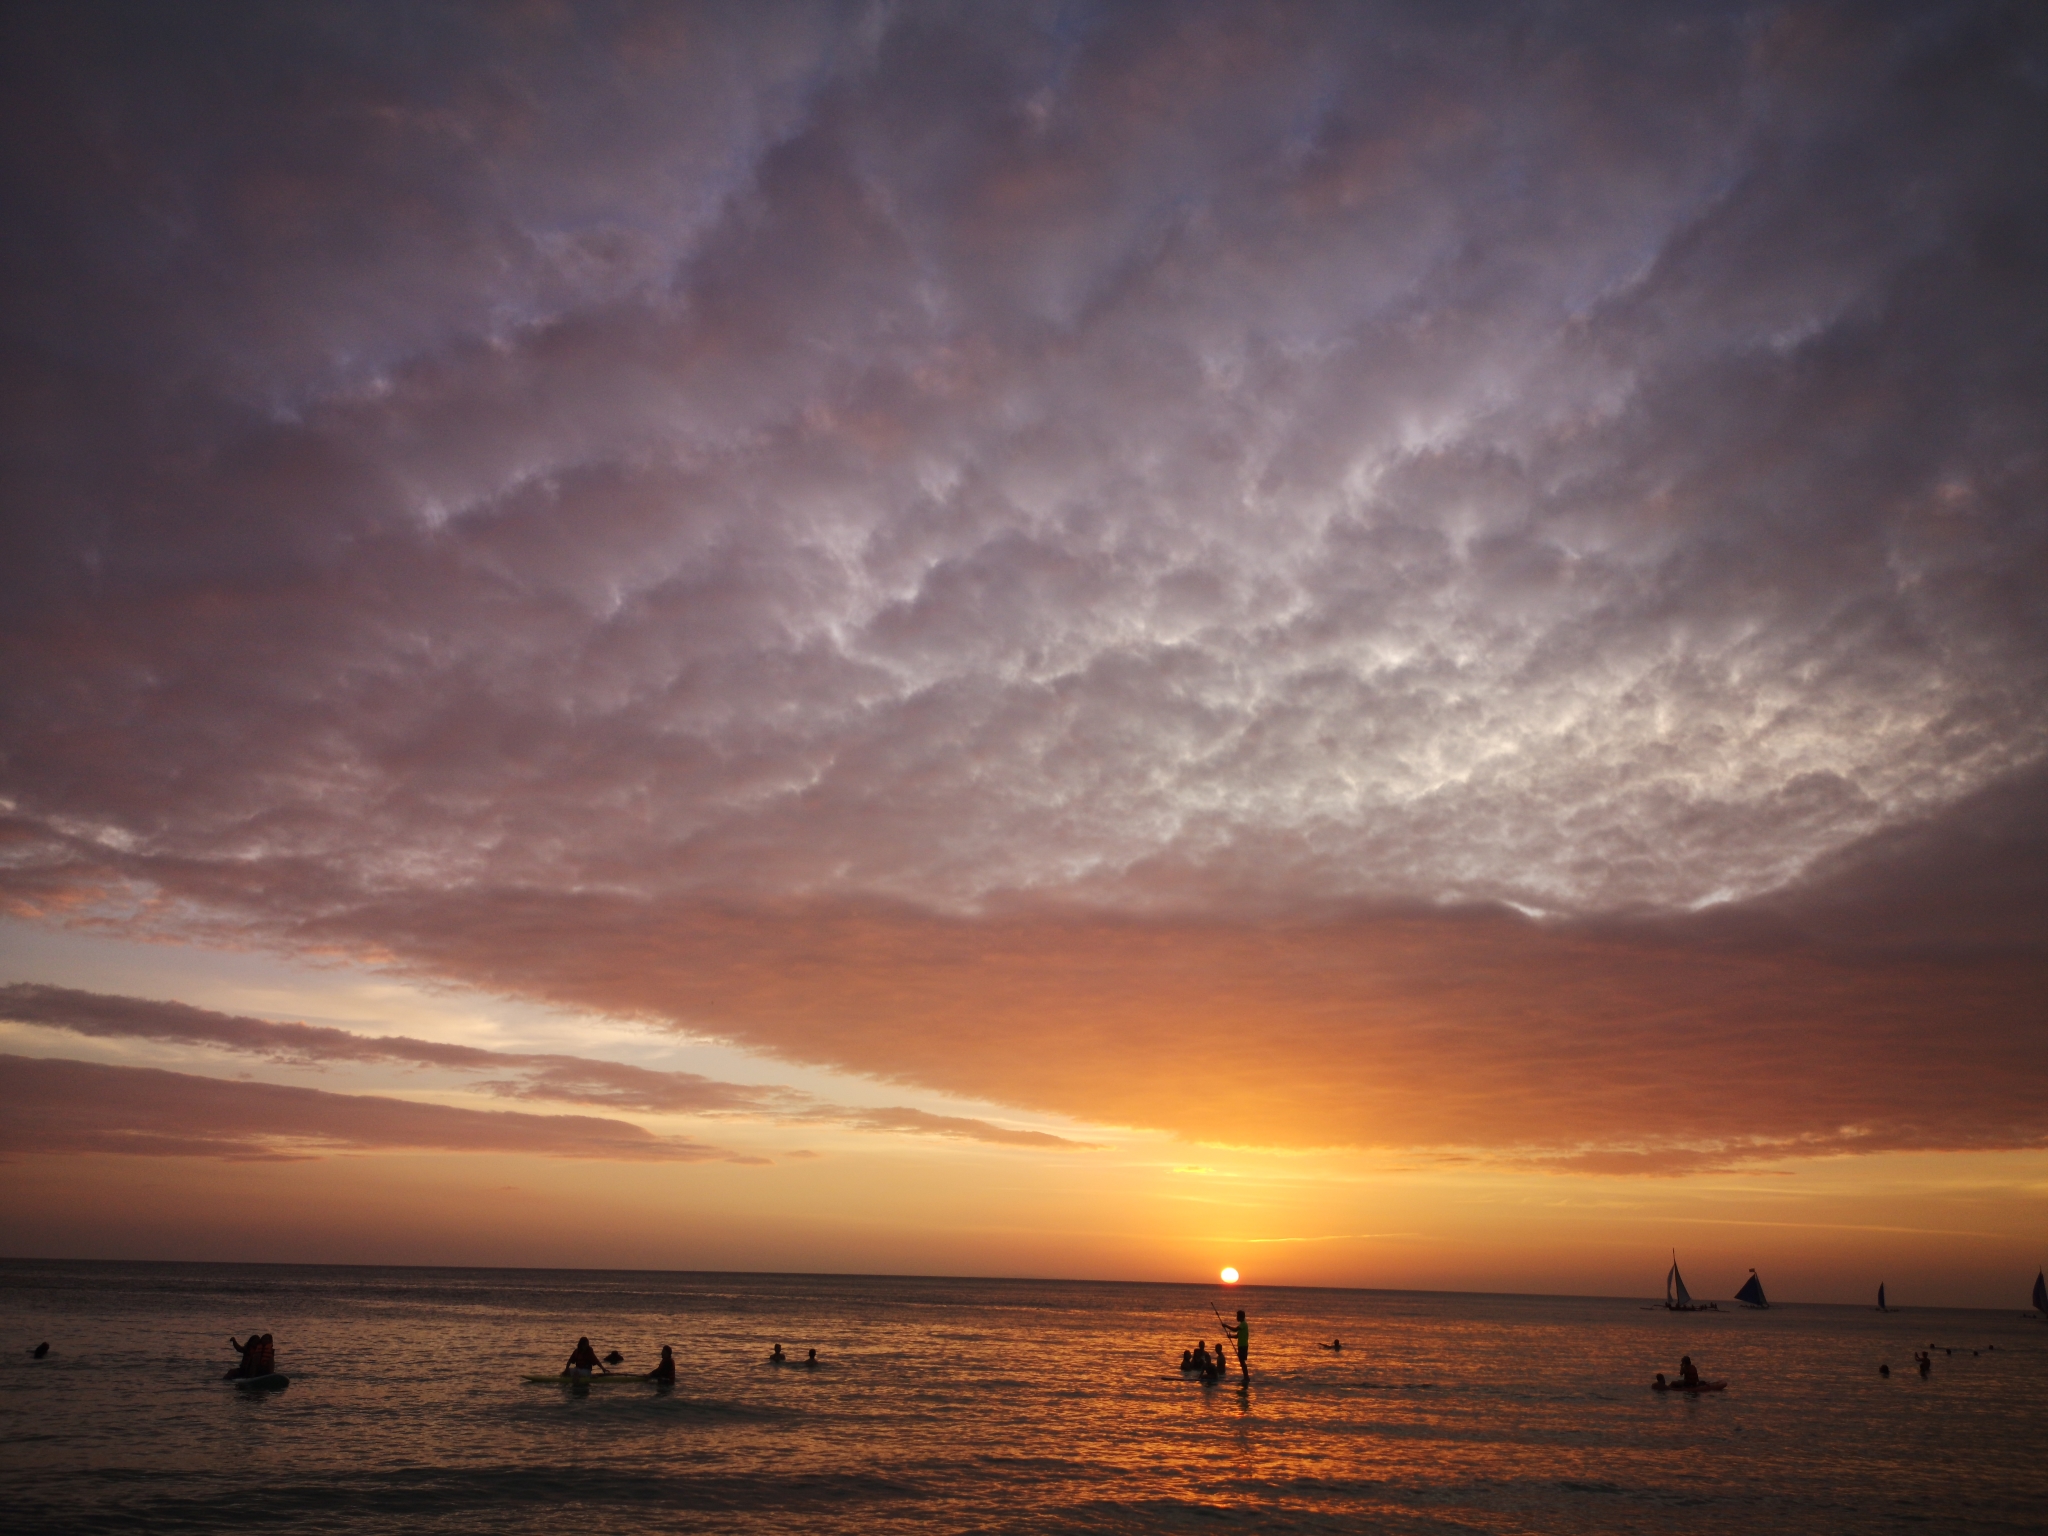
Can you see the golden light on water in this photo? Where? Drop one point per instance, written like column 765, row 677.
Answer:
column 1229, row 1276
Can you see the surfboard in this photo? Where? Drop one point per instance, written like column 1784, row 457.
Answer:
column 564, row 1379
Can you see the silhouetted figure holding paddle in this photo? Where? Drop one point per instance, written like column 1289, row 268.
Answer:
column 1244, row 1345
column 259, row 1358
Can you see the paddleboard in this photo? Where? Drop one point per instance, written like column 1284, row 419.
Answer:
column 1679, row 1386
column 271, row 1383
column 566, row 1380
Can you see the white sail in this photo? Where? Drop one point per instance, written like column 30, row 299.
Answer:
column 1674, row 1287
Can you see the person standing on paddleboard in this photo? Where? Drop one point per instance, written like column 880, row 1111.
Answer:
column 1244, row 1345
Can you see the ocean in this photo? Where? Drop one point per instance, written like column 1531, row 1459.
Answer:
column 989, row 1405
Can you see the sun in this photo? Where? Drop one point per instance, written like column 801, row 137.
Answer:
column 1230, row 1277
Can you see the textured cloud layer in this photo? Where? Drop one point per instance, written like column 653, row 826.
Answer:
column 868, row 531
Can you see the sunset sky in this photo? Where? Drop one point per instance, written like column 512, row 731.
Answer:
column 1391, row 645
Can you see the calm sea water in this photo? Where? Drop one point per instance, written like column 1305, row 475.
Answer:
column 975, row 1405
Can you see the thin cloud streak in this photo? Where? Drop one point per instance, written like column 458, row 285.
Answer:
column 57, row 1106
column 572, row 1079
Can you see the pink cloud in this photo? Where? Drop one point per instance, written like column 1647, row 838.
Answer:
column 56, row 1106
column 573, row 1079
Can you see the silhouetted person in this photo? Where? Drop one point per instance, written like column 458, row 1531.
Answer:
column 40, row 1351
column 1926, row 1365
column 1333, row 1344
column 1244, row 1345
column 583, row 1360
column 615, row 1358
column 666, row 1370
column 776, row 1355
column 1885, row 1371
column 812, row 1358
column 1187, row 1359
column 259, row 1358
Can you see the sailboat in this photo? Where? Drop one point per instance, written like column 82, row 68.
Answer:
column 1880, row 1298
column 1752, row 1293
column 2040, row 1292
column 1676, row 1297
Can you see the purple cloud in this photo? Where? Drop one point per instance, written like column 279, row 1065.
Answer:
column 75, row 1106
column 1059, row 505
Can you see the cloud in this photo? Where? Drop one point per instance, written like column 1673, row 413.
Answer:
column 56, row 1106
column 576, row 1078
column 1043, row 554
column 573, row 1079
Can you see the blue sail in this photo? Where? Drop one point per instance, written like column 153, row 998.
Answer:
column 1752, row 1292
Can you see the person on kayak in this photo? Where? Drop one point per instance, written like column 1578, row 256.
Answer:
column 666, row 1371
column 1688, row 1373
column 1244, row 1345
column 583, row 1361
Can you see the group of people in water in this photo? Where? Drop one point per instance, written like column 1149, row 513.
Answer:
column 583, row 1361
column 1688, row 1376
column 1199, row 1361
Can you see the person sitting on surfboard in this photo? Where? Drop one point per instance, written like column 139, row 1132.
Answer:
column 666, row 1370
column 1688, row 1373
column 583, row 1361
column 259, row 1357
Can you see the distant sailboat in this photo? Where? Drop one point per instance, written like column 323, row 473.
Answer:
column 1676, row 1297
column 1880, row 1298
column 1752, row 1292
column 2040, row 1292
